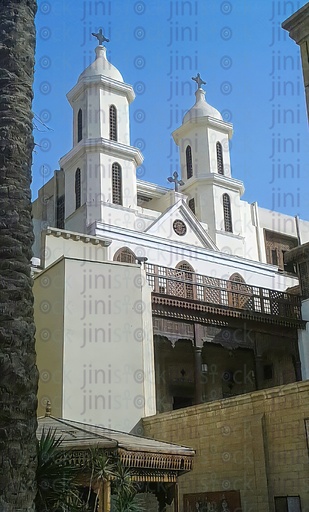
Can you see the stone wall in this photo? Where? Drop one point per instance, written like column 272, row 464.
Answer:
column 254, row 443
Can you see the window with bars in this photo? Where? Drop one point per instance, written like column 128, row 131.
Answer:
column 186, row 273
column 113, row 122
column 287, row 504
column 192, row 204
column 274, row 257
column 276, row 245
column 239, row 296
column 60, row 212
column 125, row 255
column 117, row 183
column 227, row 214
column 219, row 158
column 304, row 278
column 189, row 162
column 78, row 190
column 79, row 125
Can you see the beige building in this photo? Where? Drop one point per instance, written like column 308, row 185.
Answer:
column 251, row 451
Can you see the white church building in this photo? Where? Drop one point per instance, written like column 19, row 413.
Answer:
column 148, row 298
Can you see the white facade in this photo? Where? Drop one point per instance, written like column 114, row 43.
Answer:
column 98, row 88
column 225, row 235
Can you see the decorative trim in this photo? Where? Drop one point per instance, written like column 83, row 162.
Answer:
column 229, row 312
column 179, row 227
column 146, row 467
column 146, row 460
column 77, row 236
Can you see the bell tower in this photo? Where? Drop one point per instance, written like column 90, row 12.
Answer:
column 203, row 141
column 100, row 169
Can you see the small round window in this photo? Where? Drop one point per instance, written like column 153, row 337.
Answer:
column 179, row 227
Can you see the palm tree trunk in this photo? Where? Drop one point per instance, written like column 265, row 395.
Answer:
column 18, row 372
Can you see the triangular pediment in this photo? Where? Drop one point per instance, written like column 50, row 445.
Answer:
column 179, row 223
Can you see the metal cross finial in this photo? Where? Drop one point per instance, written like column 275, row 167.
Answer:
column 198, row 80
column 100, row 37
column 175, row 180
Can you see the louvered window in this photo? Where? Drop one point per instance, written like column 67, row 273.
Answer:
column 189, row 162
column 78, row 191
column 227, row 213
column 79, row 125
column 219, row 158
column 112, row 122
column 116, row 183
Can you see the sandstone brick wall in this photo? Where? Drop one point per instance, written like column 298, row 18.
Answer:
column 255, row 443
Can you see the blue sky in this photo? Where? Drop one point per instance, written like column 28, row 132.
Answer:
column 251, row 66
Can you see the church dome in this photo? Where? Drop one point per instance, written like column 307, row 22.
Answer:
column 201, row 109
column 101, row 66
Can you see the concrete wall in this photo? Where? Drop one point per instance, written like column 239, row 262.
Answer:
column 97, row 364
column 48, row 290
column 255, row 443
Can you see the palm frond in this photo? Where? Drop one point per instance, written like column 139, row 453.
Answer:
column 57, row 491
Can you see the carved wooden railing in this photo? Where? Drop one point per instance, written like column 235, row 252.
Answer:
column 220, row 292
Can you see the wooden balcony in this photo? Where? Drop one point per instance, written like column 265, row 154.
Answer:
column 231, row 298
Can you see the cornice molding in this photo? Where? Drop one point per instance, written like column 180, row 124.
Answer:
column 199, row 122
column 102, row 145
column 108, row 84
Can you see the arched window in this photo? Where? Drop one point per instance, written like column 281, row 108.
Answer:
column 240, row 295
column 227, row 214
column 219, row 159
column 116, row 183
column 78, row 190
column 125, row 255
column 184, row 275
column 189, row 162
column 79, row 125
column 112, row 122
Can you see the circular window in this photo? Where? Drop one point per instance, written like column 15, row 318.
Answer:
column 179, row 227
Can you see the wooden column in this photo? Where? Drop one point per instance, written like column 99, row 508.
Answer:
column 259, row 371
column 296, row 360
column 298, row 370
column 176, row 497
column 104, row 496
column 100, row 498
column 259, row 348
column 198, row 347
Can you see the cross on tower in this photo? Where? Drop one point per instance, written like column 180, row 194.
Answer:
column 174, row 179
column 100, row 37
column 198, row 80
